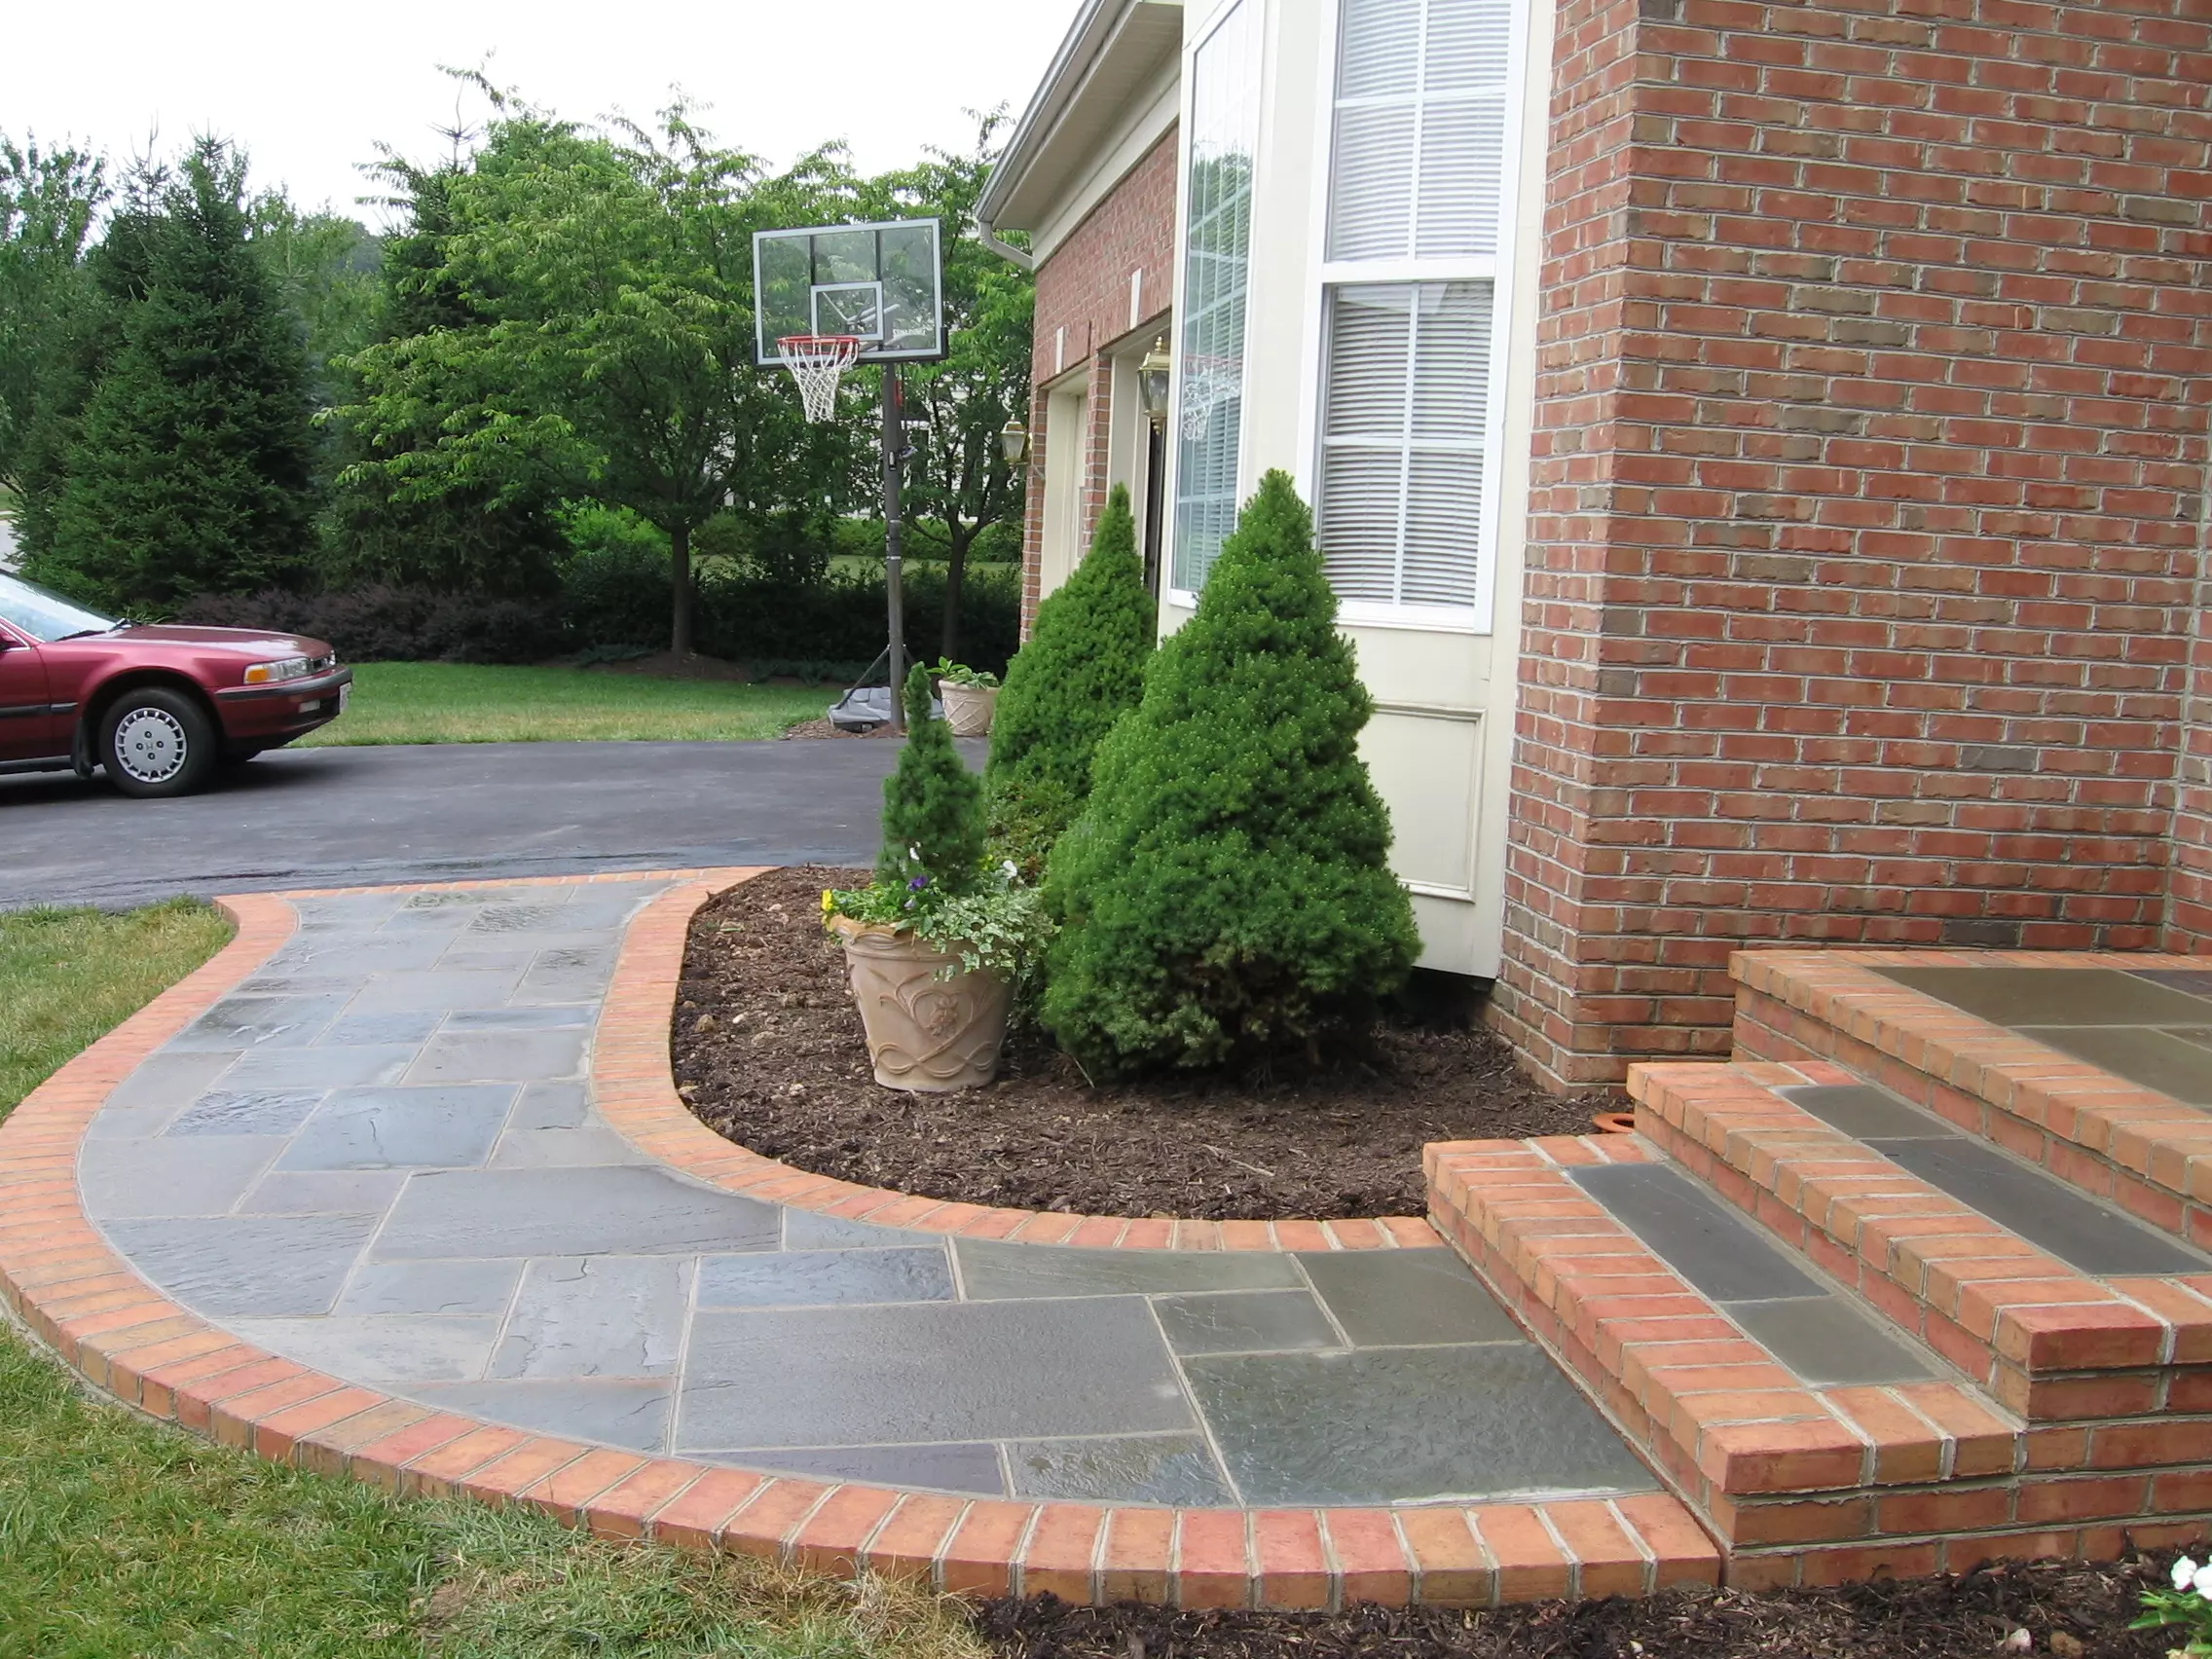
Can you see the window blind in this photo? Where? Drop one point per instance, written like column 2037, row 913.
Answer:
column 1418, row 174
column 1406, row 400
column 1421, row 128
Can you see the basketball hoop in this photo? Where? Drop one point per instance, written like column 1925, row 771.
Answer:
column 818, row 362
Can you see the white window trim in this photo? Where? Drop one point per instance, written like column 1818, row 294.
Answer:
column 1496, row 268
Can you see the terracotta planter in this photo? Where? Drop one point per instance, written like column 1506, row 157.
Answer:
column 925, row 1033
column 1614, row 1122
column 968, row 708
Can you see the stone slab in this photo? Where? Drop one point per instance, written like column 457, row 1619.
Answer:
column 596, row 1316
column 401, row 1128
column 817, row 1279
column 568, row 1212
column 1391, row 1297
column 1864, row 1112
column 2086, row 1235
column 1400, row 1425
column 270, row 1267
column 927, row 1371
column 629, row 1414
column 2014, row 997
column 1244, row 1321
column 447, row 1288
column 1164, row 1468
column 1710, row 1245
column 990, row 1271
column 1831, row 1343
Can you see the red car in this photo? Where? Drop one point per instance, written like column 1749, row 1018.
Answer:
column 159, row 708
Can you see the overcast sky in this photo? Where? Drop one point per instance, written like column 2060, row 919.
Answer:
column 310, row 89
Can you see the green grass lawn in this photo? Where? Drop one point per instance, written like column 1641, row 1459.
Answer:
column 444, row 702
column 121, row 1539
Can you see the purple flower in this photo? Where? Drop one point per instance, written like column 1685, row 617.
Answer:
column 917, row 884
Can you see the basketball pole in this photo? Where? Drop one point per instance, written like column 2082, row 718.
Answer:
column 894, row 586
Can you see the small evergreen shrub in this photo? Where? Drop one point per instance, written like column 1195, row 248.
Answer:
column 1081, row 670
column 931, row 878
column 1225, row 894
column 932, row 806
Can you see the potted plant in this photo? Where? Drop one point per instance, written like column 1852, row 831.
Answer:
column 970, row 695
column 937, row 944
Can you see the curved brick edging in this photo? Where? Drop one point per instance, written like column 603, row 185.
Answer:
column 635, row 1091
column 85, row 1302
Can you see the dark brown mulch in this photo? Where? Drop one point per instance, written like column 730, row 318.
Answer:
column 2058, row 1604
column 768, row 1051
column 823, row 728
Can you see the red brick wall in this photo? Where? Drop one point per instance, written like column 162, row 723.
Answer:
column 1874, row 384
column 1084, row 288
column 2189, row 904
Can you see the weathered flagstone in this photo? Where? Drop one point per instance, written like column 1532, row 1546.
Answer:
column 380, row 1159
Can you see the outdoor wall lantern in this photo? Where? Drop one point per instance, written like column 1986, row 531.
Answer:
column 1013, row 440
column 1153, row 378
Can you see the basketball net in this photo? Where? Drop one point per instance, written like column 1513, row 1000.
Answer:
column 818, row 362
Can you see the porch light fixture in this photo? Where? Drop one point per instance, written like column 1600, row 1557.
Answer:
column 1154, row 376
column 1013, row 440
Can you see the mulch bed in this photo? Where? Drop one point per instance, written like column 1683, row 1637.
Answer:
column 768, row 1052
column 2067, row 1609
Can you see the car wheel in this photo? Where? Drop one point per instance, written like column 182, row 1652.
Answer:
column 157, row 742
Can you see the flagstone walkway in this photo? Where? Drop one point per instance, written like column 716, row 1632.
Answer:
column 378, row 1158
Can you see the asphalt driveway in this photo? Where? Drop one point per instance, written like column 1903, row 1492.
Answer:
column 374, row 815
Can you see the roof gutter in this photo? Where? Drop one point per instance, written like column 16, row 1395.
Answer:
column 1085, row 38
column 987, row 233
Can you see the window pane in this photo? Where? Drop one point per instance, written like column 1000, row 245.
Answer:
column 1371, row 188
column 1462, row 166
column 1444, row 516
column 1405, row 414
column 1217, row 261
column 1362, row 511
column 1382, row 49
column 1467, row 43
column 1370, row 346
column 1451, row 373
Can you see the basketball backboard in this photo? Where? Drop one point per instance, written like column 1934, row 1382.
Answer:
column 882, row 283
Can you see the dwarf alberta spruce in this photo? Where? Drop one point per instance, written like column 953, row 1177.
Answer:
column 931, row 878
column 1081, row 670
column 1226, row 893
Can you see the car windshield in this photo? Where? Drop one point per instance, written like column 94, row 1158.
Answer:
column 47, row 616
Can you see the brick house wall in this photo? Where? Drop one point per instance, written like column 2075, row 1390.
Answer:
column 1084, row 307
column 1875, row 366
column 2189, row 906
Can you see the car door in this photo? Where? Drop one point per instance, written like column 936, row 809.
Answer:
column 27, row 718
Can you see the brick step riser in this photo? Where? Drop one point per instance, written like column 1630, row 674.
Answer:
column 1918, row 1498
column 2096, row 1153
column 2038, row 1390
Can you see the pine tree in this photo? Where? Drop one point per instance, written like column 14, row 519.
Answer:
column 193, row 470
column 1081, row 672
column 933, row 805
column 1225, row 894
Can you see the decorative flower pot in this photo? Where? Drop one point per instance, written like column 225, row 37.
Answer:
column 925, row 1032
column 968, row 708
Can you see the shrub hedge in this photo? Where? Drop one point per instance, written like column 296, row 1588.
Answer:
column 617, row 596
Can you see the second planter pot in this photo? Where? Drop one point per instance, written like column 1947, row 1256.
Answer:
column 927, row 1031
column 968, row 709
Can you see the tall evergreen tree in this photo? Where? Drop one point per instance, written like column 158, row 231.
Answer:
column 1225, row 894
column 193, row 470
column 1081, row 670
column 401, row 516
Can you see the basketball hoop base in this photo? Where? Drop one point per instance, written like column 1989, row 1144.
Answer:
column 818, row 362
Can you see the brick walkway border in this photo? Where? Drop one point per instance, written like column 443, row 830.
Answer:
column 636, row 1091
column 60, row 1276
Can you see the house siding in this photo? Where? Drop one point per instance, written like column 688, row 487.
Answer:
column 1875, row 363
column 1084, row 306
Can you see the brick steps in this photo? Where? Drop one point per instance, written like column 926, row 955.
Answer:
column 2048, row 1341
column 2114, row 1140
column 1802, row 1481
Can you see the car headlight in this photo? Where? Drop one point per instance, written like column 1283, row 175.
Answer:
column 276, row 673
